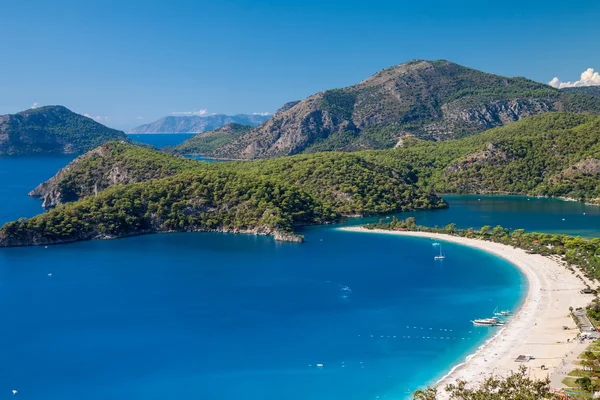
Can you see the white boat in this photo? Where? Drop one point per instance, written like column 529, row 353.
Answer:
column 435, row 244
column 503, row 313
column 440, row 256
column 494, row 321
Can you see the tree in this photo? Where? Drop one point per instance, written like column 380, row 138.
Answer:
column 584, row 383
column 485, row 229
column 516, row 386
column 450, row 228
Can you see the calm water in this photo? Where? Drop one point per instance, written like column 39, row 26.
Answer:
column 222, row 317
column 161, row 140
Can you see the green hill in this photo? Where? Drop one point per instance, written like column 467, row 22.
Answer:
column 121, row 189
column 554, row 154
column 52, row 129
column 207, row 142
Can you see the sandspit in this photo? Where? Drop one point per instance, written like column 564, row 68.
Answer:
column 537, row 329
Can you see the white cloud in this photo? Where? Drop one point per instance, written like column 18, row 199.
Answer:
column 199, row 112
column 34, row 105
column 588, row 78
column 97, row 117
column 264, row 114
column 140, row 118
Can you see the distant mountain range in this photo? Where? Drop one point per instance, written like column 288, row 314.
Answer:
column 198, row 124
column 52, row 129
column 432, row 100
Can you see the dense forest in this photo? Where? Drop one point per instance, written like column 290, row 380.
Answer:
column 554, row 154
column 191, row 201
column 121, row 189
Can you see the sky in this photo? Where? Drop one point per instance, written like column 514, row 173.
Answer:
column 131, row 62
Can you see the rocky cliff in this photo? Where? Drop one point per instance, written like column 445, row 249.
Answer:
column 432, row 100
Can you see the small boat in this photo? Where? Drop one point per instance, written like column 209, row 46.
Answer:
column 440, row 256
column 14, row 392
column 487, row 322
column 435, row 244
column 503, row 313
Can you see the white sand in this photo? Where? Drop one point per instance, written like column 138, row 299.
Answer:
column 536, row 329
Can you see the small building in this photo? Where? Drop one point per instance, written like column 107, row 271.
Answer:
column 523, row 358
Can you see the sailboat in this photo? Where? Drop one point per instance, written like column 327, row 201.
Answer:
column 440, row 256
column 503, row 313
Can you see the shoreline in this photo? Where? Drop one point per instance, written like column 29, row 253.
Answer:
column 535, row 329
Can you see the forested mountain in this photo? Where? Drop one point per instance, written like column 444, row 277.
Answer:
column 198, row 124
column 589, row 90
column 426, row 99
column 554, row 154
column 52, row 129
column 207, row 142
column 121, row 189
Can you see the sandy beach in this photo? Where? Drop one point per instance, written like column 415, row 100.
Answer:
column 536, row 329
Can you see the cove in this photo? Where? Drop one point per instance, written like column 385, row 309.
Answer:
column 219, row 316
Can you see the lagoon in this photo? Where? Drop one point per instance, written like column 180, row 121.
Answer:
column 221, row 316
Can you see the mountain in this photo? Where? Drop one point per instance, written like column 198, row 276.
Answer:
column 198, row 124
column 589, row 90
column 431, row 100
column 52, row 129
column 121, row 189
column 206, row 143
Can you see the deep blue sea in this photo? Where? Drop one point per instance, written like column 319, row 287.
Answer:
column 223, row 317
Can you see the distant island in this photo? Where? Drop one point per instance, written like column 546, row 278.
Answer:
column 52, row 130
column 198, row 124
column 432, row 100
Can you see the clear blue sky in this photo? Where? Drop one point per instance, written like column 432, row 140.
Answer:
column 127, row 59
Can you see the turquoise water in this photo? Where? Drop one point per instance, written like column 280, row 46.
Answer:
column 218, row 316
column 514, row 212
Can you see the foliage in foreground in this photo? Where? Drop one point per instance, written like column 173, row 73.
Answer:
column 516, row 386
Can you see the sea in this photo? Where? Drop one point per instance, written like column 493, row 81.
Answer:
column 212, row 316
